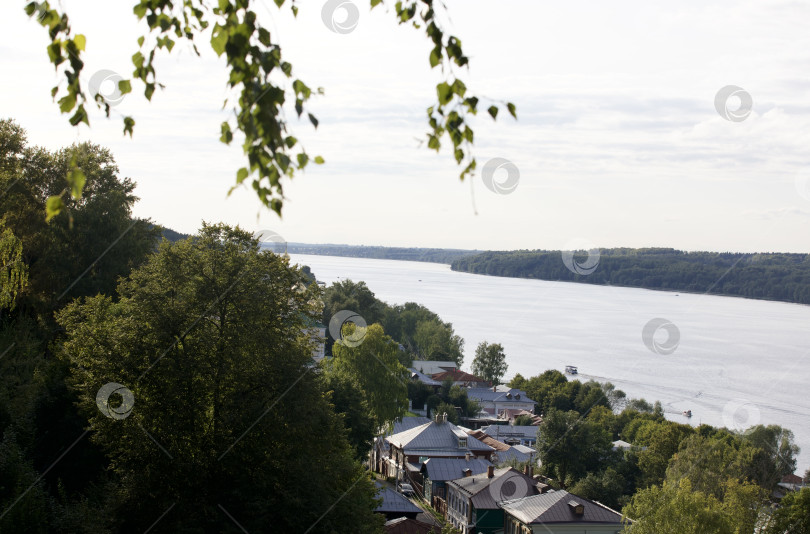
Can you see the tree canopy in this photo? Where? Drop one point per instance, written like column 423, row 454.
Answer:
column 489, row 362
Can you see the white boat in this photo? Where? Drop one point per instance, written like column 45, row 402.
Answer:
column 571, row 369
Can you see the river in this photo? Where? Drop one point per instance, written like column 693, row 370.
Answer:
column 737, row 362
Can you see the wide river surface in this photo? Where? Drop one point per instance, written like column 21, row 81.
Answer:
column 737, row 363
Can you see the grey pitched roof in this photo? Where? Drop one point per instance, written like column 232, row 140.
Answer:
column 442, row 469
column 485, row 493
column 401, row 425
column 433, row 436
column 502, row 432
column 512, row 453
column 394, row 501
column 423, row 377
column 552, row 507
column 499, row 395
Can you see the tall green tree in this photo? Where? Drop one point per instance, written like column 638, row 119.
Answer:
column 375, row 368
column 489, row 362
column 210, row 336
column 570, row 446
column 676, row 508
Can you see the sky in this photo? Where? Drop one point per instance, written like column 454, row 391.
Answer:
column 618, row 140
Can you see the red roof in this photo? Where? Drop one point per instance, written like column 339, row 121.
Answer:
column 482, row 436
column 792, row 479
column 457, row 375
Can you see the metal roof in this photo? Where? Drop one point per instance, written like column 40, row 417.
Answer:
column 502, row 432
column 422, row 377
column 394, row 501
column 553, row 507
column 442, row 469
column 433, row 436
column 499, row 395
column 485, row 493
column 512, row 453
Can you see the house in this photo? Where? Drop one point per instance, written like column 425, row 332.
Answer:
column 424, row 378
column 496, row 399
column 621, row 445
column 518, row 453
column 513, row 435
column 431, row 367
column 472, row 501
column 559, row 512
column 437, row 438
column 404, row 525
column 380, row 447
column 436, row 472
column 510, row 414
column 460, row 378
column 489, row 440
column 394, row 504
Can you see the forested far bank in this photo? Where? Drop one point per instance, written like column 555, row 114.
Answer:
column 769, row 276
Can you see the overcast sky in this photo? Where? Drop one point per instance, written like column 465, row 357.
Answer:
column 618, row 141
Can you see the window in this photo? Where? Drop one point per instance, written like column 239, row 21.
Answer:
column 462, row 443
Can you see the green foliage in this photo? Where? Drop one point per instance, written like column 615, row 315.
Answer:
column 373, row 365
column 793, row 514
column 606, row 487
column 349, row 402
column 210, row 336
column 780, row 451
column 79, row 255
column 420, row 331
column 676, row 508
column 13, row 271
column 450, row 410
column 784, row 277
column 570, row 446
column 260, row 80
column 552, row 390
column 490, row 362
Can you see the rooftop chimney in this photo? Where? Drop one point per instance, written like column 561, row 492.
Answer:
column 576, row 508
column 467, row 456
column 490, row 471
column 494, row 388
column 468, row 472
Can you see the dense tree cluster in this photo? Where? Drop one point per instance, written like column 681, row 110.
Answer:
column 784, row 277
column 422, row 333
column 216, row 414
column 673, row 478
